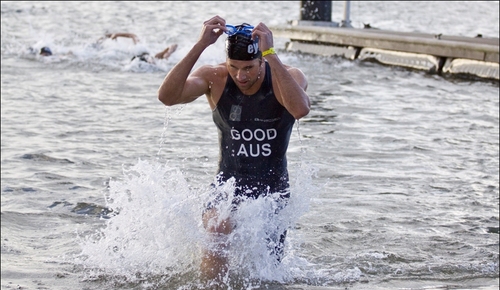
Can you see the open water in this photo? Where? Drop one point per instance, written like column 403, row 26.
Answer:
column 395, row 172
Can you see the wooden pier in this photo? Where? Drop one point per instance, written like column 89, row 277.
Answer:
column 436, row 53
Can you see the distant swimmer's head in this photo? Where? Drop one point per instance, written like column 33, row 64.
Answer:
column 143, row 57
column 45, row 51
column 239, row 43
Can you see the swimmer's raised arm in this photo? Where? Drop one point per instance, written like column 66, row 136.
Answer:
column 179, row 86
column 114, row 36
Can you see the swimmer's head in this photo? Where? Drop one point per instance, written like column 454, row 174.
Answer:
column 45, row 51
column 143, row 57
column 239, row 43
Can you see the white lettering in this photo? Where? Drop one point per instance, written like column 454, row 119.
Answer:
column 271, row 134
column 251, row 138
column 266, row 149
column 263, row 134
column 255, row 150
column 235, row 135
column 247, row 135
column 257, row 147
column 242, row 150
column 258, row 134
column 253, row 48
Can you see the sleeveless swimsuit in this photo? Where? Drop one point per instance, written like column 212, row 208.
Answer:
column 254, row 132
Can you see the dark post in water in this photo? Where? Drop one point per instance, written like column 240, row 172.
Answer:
column 316, row 10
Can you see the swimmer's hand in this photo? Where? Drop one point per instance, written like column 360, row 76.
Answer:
column 114, row 36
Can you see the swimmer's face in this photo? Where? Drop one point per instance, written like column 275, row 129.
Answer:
column 245, row 73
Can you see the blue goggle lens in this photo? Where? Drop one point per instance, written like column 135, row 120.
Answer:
column 239, row 29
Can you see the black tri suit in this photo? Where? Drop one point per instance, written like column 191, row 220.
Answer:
column 254, row 132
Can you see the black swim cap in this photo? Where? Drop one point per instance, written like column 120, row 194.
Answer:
column 240, row 46
column 46, row 50
column 143, row 57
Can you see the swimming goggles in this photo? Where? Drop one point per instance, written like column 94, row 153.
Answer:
column 244, row 28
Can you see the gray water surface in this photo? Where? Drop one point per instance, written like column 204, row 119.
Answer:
column 395, row 171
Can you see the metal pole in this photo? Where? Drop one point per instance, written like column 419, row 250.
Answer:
column 346, row 22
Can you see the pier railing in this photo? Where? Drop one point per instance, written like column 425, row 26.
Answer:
column 436, row 53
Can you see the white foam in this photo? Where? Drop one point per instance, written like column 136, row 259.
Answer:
column 157, row 228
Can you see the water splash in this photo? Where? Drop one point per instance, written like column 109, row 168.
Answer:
column 154, row 226
column 156, row 236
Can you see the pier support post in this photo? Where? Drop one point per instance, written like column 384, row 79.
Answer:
column 316, row 10
column 346, row 22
